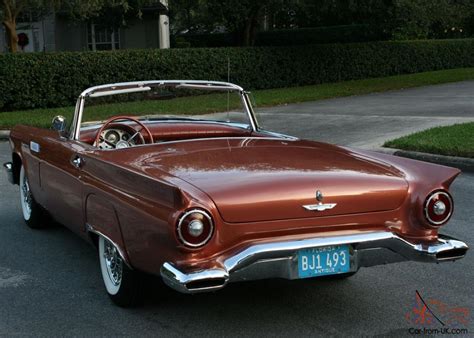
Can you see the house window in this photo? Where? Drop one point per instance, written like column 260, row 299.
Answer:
column 102, row 38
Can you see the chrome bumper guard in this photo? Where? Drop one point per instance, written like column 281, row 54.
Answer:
column 279, row 259
column 9, row 170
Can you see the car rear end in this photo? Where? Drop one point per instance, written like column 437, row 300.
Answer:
column 398, row 223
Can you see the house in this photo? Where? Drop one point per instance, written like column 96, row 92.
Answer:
column 58, row 32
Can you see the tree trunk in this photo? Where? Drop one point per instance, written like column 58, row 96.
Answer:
column 253, row 31
column 246, row 33
column 251, row 27
column 12, row 37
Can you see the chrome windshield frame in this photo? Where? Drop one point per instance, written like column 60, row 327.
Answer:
column 133, row 86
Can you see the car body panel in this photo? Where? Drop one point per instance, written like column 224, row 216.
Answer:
column 155, row 181
column 254, row 179
column 253, row 183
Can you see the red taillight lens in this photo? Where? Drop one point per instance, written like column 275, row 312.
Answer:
column 195, row 228
column 438, row 208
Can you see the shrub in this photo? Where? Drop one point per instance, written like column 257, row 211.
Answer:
column 43, row 80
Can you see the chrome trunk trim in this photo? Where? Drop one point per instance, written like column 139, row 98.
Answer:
column 279, row 259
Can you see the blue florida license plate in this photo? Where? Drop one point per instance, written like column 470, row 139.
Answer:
column 329, row 260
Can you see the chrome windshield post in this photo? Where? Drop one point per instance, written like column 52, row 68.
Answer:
column 249, row 109
column 76, row 123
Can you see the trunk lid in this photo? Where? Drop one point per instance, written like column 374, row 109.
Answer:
column 253, row 180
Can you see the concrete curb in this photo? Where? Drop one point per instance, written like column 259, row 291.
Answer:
column 4, row 134
column 463, row 163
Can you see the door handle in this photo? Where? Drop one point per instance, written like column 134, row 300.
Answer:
column 77, row 161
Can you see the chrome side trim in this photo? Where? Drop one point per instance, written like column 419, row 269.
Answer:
column 9, row 170
column 278, row 135
column 90, row 228
column 279, row 259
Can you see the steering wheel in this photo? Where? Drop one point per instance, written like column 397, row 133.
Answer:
column 137, row 132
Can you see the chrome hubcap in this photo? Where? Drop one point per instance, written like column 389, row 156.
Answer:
column 26, row 194
column 113, row 262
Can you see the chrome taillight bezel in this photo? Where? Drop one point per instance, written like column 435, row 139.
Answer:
column 181, row 222
column 450, row 207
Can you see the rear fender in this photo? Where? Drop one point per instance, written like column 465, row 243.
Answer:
column 102, row 220
column 424, row 178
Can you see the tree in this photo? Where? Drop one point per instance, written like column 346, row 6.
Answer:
column 245, row 17
column 397, row 19
column 189, row 16
column 9, row 11
column 241, row 16
column 119, row 11
column 428, row 19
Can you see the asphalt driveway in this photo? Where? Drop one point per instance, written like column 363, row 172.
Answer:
column 368, row 121
column 50, row 282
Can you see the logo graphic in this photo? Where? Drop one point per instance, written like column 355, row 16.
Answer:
column 436, row 317
column 320, row 206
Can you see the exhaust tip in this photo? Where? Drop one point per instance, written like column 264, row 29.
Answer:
column 206, row 284
column 451, row 255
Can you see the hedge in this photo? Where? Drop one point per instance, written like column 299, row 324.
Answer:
column 42, row 80
column 286, row 37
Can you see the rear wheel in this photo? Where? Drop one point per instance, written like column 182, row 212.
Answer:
column 33, row 213
column 122, row 283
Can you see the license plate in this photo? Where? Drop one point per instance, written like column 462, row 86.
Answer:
column 329, row 260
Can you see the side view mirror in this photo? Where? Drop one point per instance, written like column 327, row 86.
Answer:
column 59, row 124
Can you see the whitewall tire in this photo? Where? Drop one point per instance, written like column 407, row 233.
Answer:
column 33, row 213
column 121, row 283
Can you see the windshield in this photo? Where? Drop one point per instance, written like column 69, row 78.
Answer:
column 166, row 103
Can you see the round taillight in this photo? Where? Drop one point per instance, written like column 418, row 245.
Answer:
column 195, row 228
column 438, row 208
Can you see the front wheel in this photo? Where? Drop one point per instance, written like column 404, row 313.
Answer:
column 122, row 283
column 33, row 213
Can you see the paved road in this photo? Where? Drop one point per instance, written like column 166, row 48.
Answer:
column 367, row 121
column 50, row 281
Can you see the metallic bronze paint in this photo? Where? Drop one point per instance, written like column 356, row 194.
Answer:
column 253, row 187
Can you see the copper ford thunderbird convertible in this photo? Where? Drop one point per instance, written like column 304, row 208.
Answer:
column 206, row 200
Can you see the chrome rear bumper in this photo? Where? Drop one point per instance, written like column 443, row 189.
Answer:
column 9, row 170
column 279, row 259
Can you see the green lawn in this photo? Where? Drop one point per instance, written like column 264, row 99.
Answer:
column 455, row 140
column 263, row 98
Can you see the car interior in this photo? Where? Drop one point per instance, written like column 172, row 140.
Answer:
column 123, row 132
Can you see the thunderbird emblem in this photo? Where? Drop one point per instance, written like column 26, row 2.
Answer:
column 320, row 206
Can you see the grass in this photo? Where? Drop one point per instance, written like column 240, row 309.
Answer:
column 455, row 140
column 263, row 98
